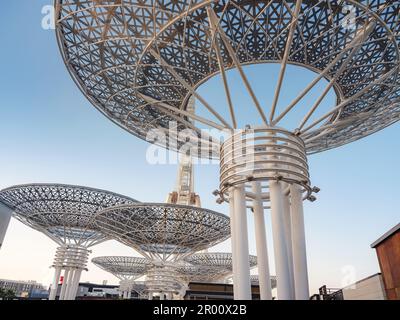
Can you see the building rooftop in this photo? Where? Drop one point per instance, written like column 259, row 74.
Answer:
column 386, row 235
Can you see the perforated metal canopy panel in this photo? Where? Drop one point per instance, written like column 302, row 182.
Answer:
column 216, row 259
column 63, row 212
column 209, row 267
column 122, row 266
column 139, row 61
column 164, row 229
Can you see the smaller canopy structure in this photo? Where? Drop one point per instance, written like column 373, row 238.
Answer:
column 123, row 267
column 210, row 266
column 66, row 214
column 164, row 231
column 165, row 234
column 126, row 269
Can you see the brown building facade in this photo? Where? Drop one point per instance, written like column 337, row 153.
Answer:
column 388, row 250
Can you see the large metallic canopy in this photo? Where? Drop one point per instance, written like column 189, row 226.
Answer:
column 160, row 230
column 123, row 267
column 139, row 61
column 65, row 213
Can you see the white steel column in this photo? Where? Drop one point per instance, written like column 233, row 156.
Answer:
column 5, row 216
column 299, row 244
column 233, row 239
column 68, row 284
column 129, row 294
column 150, row 295
column 75, row 284
column 288, row 233
column 261, row 245
column 162, row 297
column 242, row 245
column 64, row 285
column 280, row 247
column 54, row 285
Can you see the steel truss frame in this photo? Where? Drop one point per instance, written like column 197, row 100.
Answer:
column 139, row 62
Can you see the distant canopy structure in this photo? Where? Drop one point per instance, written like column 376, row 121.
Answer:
column 210, row 267
column 165, row 234
column 126, row 269
column 66, row 214
column 140, row 63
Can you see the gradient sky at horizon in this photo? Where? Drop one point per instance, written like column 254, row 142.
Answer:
column 49, row 132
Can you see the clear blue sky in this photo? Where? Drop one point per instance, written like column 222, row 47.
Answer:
column 50, row 133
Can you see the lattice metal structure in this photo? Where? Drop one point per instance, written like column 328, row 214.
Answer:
column 162, row 231
column 66, row 214
column 140, row 62
column 126, row 269
column 216, row 259
column 123, row 267
column 210, row 267
column 164, row 234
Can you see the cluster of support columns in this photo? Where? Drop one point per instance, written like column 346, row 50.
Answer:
column 261, row 167
column 288, row 237
column 126, row 287
column 69, row 261
column 163, row 281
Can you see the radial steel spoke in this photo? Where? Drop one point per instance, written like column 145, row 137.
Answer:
column 183, row 112
column 215, row 44
column 189, row 88
column 347, row 101
column 359, row 41
column 285, row 59
column 355, row 43
column 236, row 61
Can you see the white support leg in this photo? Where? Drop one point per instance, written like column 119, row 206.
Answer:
column 233, row 239
column 288, row 233
column 5, row 216
column 75, row 284
column 64, row 285
column 129, row 294
column 261, row 245
column 280, row 247
column 150, row 295
column 242, row 245
column 71, row 274
column 69, row 284
column 299, row 244
column 162, row 297
column 54, row 285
